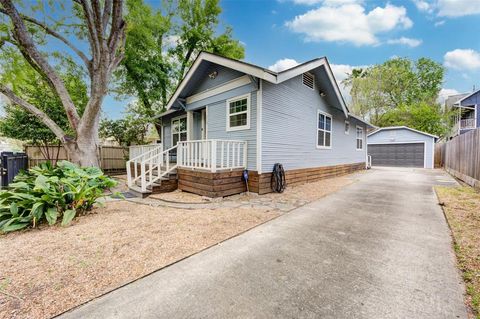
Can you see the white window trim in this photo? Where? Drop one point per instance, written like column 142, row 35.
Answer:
column 331, row 131
column 347, row 132
column 243, row 127
column 363, row 138
column 171, row 128
column 313, row 81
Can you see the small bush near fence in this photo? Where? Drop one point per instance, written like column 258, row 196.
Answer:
column 50, row 193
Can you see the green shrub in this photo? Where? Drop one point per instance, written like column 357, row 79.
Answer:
column 51, row 193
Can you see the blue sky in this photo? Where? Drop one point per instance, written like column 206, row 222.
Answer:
column 351, row 33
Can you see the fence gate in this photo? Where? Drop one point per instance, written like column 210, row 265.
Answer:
column 10, row 165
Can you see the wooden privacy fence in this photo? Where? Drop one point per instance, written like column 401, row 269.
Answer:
column 112, row 158
column 461, row 157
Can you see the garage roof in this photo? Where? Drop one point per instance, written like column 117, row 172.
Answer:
column 402, row 127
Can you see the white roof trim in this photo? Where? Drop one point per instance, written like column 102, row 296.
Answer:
column 259, row 72
column 361, row 120
column 401, row 127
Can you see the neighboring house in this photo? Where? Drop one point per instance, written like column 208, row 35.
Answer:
column 466, row 112
column 227, row 116
column 401, row 146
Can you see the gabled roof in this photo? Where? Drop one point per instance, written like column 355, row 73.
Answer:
column 466, row 97
column 259, row 72
column 362, row 120
column 400, row 127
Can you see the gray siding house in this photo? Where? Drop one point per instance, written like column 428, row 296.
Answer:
column 227, row 116
column 466, row 112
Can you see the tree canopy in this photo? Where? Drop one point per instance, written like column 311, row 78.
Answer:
column 161, row 44
column 31, row 30
column 399, row 92
column 26, row 82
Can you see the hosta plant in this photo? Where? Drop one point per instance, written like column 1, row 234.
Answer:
column 51, row 193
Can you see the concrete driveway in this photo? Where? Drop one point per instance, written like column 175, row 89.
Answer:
column 379, row 248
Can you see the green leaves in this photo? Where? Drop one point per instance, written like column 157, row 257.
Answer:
column 68, row 215
column 14, row 209
column 387, row 93
column 48, row 193
column 41, row 183
column 51, row 214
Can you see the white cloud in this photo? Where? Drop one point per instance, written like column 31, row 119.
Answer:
column 458, row 8
column 449, row 8
column 444, row 94
column 424, row 6
column 406, row 41
column 349, row 23
column 283, row 64
column 462, row 59
column 439, row 23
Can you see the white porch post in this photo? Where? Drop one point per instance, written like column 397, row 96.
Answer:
column 214, row 156
column 189, row 125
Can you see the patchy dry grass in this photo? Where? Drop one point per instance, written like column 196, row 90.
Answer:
column 49, row 270
column 462, row 208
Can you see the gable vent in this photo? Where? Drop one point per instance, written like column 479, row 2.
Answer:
column 308, row 80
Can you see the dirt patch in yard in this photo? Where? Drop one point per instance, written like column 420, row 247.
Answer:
column 462, row 209
column 49, row 270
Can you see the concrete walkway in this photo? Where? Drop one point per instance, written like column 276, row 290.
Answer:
column 379, row 248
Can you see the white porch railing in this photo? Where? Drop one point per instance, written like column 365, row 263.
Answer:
column 212, row 155
column 467, row 123
column 137, row 150
column 153, row 165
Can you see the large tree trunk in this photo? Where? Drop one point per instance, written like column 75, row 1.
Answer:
column 84, row 153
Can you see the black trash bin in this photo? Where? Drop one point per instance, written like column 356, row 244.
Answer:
column 11, row 164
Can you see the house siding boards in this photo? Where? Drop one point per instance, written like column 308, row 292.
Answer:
column 217, row 123
column 403, row 135
column 202, row 81
column 289, row 129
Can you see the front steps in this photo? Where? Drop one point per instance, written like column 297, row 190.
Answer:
column 165, row 185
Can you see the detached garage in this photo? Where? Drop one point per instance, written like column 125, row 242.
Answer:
column 401, row 146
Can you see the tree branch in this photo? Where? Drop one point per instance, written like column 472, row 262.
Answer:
column 59, row 133
column 92, row 35
column 25, row 41
column 56, row 35
column 107, row 8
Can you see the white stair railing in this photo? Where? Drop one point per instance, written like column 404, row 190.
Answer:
column 137, row 150
column 153, row 165
column 212, row 155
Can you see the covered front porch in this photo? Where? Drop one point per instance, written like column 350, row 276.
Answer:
column 155, row 166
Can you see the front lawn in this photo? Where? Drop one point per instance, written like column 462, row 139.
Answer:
column 462, row 209
column 50, row 269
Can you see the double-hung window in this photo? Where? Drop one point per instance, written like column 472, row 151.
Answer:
column 179, row 130
column 359, row 138
column 324, row 130
column 238, row 113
